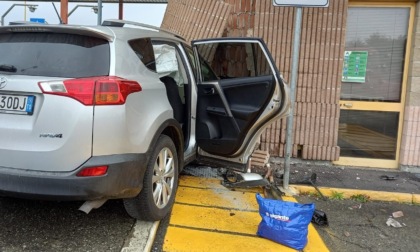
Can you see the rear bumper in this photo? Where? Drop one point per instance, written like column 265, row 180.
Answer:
column 124, row 179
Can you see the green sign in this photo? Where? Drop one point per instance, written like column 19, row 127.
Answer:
column 354, row 66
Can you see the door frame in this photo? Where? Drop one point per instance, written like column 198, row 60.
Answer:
column 384, row 106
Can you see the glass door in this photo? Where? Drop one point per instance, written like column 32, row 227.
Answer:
column 373, row 84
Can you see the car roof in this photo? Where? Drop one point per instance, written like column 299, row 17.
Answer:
column 108, row 32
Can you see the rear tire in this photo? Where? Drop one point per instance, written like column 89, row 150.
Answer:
column 160, row 182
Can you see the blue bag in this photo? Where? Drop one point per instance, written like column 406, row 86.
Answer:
column 285, row 222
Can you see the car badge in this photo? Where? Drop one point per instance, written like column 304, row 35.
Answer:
column 3, row 82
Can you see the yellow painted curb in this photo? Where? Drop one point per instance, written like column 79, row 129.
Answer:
column 373, row 195
column 416, row 198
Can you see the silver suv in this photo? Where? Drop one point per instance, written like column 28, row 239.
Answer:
column 116, row 111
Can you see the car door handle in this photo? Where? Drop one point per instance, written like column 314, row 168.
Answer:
column 209, row 91
column 217, row 111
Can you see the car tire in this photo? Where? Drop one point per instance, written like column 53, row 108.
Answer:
column 160, row 182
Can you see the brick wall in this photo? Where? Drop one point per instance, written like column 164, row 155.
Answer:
column 321, row 55
column 410, row 144
column 194, row 19
column 318, row 86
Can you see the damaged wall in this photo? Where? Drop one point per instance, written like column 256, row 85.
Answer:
column 321, row 55
column 195, row 19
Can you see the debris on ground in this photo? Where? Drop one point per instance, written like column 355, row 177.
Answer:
column 320, row 218
column 388, row 177
column 392, row 222
column 347, row 234
column 233, row 179
column 359, row 206
column 397, row 214
column 311, row 181
column 259, row 158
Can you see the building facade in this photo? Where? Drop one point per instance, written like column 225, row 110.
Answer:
column 358, row 89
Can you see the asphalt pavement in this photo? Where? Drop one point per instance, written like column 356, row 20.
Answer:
column 359, row 227
column 355, row 225
column 373, row 179
column 28, row 225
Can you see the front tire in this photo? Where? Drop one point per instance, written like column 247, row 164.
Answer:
column 160, row 182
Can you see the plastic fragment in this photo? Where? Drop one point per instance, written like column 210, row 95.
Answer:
column 393, row 223
column 320, row 218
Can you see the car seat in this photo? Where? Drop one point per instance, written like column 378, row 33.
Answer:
column 174, row 98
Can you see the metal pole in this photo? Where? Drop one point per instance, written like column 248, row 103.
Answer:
column 120, row 10
column 24, row 13
column 71, row 12
column 295, row 67
column 11, row 7
column 80, row 5
column 64, row 9
column 99, row 12
column 7, row 12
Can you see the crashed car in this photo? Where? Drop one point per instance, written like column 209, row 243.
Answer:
column 116, row 111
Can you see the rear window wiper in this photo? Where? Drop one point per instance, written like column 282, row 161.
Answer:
column 8, row 68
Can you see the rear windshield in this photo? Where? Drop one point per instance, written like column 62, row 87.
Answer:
column 53, row 54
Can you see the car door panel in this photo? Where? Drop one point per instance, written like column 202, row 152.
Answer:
column 222, row 126
column 246, row 96
column 212, row 113
column 233, row 109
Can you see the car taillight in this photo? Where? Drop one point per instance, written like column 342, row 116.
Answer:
column 93, row 91
column 93, row 171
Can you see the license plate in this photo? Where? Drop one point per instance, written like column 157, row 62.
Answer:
column 17, row 104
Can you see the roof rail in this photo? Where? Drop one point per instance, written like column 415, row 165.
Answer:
column 121, row 23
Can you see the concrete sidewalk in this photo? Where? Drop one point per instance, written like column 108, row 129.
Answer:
column 378, row 184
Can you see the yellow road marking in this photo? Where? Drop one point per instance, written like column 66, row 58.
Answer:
column 217, row 198
column 215, row 219
column 182, row 239
column 209, row 217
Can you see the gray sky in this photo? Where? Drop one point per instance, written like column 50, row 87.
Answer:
column 144, row 13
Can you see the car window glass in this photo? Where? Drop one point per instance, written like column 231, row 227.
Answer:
column 144, row 51
column 207, row 74
column 233, row 60
column 54, row 54
column 168, row 62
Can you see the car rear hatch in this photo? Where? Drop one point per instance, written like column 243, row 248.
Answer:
column 46, row 108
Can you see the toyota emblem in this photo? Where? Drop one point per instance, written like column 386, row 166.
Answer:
column 3, row 82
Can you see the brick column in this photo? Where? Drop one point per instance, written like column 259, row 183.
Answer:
column 410, row 145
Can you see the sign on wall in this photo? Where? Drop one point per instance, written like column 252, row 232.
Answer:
column 301, row 3
column 354, row 66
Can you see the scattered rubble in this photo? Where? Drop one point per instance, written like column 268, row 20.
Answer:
column 397, row 214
